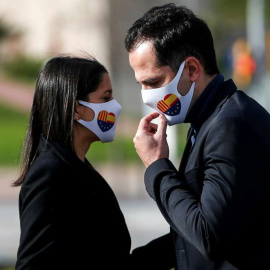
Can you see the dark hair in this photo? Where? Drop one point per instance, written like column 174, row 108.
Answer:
column 62, row 81
column 176, row 34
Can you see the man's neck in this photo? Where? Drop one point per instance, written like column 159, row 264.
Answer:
column 200, row 86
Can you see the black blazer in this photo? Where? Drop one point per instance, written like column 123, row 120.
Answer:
column 70, row 219
column 217, row 204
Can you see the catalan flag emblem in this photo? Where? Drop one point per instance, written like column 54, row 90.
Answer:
column 170, row 105
column 105, row 120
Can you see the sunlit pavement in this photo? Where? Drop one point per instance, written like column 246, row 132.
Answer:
column 144, row 220
column 9, row 232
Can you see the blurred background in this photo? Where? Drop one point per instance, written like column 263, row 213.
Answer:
column 33, row 31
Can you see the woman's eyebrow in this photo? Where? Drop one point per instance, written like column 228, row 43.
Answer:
column 108, row 91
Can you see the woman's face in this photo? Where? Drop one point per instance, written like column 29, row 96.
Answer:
column 102, row 94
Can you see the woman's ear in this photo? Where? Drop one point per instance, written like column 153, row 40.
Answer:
column 76, row 111
column 83, row 112
column 194, row 68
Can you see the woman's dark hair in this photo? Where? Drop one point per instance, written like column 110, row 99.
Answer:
column 62, row 81
column 176, row 34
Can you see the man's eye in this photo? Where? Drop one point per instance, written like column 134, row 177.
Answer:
column 154, row 84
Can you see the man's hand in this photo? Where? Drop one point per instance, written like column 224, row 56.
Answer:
column 150, row 139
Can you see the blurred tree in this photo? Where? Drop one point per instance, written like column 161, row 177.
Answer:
column 236, row 10
column 23, row 68
column 4, row 30
column 10, row 42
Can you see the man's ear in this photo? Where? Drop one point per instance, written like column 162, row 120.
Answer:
column 194, row 68
column 76, row 111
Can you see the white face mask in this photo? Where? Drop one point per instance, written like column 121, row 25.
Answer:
column 104, row 122
column 168, row 101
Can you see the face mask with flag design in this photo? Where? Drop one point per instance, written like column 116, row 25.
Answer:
column 168, row 101
column 104, row 122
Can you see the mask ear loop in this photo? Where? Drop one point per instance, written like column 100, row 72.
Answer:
column 85, row 103
column 178, row 76
column 181, row 68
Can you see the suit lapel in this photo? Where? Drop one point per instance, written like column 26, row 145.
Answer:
column 210, row 120
column 225, row 93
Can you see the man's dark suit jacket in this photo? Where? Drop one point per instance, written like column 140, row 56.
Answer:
column 217, row 204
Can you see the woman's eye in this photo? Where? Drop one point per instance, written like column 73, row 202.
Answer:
column 107, row 98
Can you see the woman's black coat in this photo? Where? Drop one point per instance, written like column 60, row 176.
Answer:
column 70, row 219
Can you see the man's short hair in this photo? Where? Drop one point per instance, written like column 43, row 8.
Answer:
column 176, row 34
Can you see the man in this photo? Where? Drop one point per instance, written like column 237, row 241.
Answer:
column 218, row 201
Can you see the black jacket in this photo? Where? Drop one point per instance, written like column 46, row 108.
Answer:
column 217, row 204
column 70, row 219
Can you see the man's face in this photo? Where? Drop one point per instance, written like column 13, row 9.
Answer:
column 144, row 63
column 147, row 73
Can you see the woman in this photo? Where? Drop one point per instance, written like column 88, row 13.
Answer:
column 69, row 216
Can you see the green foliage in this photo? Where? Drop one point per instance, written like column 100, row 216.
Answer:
column 233, row 11
column 23, row 68
column 4, row 30
column 12, row 132
column 120, row 150
column 182, row 138
column 13, row 129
